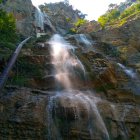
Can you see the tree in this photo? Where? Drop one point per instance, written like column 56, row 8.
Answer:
column 112, row 6
column 7, row 27
column 109, row 17
column 66, row 2
column 80, row 22
column 130, row 10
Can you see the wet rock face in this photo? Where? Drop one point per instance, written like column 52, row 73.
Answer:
column 26, row 114
column 120, row 123
column 100, row 71
column 22, row 115
column 105, row 74
column 111, row 111
column 123, row 124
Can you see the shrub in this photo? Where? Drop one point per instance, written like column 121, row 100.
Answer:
column 72, row 31
column 109, row 17
column 79, row 22
column 131, row 10
column 7, row 27
column 113, row 15
column 8, row 45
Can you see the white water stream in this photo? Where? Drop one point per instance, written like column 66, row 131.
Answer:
column 66, row 65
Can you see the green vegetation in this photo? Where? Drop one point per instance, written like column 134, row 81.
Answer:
column 115, row 16
column 131, row 10
column 24, row 71
column 7, row 27
column 77, row 24
column 42, row 38
column 109, row 17
column 19, row 80
column 4, row 44
column 8, row 37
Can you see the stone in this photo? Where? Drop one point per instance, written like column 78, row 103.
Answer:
column 62, row 16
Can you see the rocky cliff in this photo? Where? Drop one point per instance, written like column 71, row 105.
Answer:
column 29, row 19
column 23, row 13
column 104, row 100
column 126, row 39
column 62, row 15
column 36, row 113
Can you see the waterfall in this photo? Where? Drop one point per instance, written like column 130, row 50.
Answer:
column 72, row 111
column 42, row 20
column 128, row 71
column 134, row 81
column 64, row 61
column 85, row 40
column 120, row 121
column 39, row 19
column 81, row 38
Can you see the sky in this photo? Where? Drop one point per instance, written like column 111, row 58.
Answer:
column 93, row 8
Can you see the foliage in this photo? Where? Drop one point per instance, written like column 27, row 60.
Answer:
column 29, row 69
column 114, row 15
column 80, row 14
column 109, row 17
column 18, row 80
column 8, row 45
column 44, row 8
column 68, row 19
column 131, row 10
column 79, row 22
column 7, row 27
column 112, row 6
column 72, row 31
column 24, row 71
column 42, row 38
column 103, row 20
column 122, row 22
column 66, row 2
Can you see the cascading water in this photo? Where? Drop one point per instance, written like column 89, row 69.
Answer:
column 134, row 78
column 39, row 19
column 85, row 40
column 64, row 61
column 120, row 121
column 72, row 112
column 81, row 38
column 129, row 71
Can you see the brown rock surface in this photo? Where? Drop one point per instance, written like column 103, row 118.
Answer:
column 23, row 115
column 126, row 39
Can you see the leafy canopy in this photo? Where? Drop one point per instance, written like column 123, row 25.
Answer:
column 109, row 17
column 114, row 15
column 131, row 10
